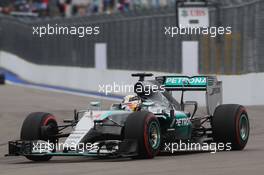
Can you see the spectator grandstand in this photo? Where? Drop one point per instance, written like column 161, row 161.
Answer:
column 70, row 8
column 79, row 7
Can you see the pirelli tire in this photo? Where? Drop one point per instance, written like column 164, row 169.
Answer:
column 39, row 126
column 230, row 124
column 144, row 127
column 2, row 78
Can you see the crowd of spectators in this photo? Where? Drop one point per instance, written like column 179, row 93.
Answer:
column 39, row 7
column 69, row 8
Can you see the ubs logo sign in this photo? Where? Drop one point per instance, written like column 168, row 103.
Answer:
column 193, row 12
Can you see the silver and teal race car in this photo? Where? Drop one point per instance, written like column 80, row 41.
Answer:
column 157, row 123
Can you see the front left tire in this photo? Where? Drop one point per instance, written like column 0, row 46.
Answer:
column 32, row 129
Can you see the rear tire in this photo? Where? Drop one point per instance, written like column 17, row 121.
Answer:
column 230, row 124
column 144, row 127
column 31, row 130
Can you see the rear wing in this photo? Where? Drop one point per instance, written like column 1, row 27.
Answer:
column 185, row 83
column 209, row 84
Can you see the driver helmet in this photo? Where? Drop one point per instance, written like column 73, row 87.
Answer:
column 131, row 103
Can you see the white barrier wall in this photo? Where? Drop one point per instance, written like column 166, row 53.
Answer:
column 242, row 89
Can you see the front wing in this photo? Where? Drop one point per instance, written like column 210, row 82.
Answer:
column 126, row 148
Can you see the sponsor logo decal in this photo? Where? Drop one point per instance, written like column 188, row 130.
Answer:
column 185, row 81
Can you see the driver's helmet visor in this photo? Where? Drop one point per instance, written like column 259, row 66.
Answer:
column 131, row 103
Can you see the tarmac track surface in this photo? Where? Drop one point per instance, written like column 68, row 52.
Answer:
column 17, row 102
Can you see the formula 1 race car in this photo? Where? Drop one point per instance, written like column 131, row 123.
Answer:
column 156, row 120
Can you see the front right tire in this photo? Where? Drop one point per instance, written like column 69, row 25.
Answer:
column 144, row 127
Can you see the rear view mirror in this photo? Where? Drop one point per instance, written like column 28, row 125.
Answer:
column 116, row 106
column 96, row 105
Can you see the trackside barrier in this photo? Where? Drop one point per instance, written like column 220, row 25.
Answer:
column 243, row 89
